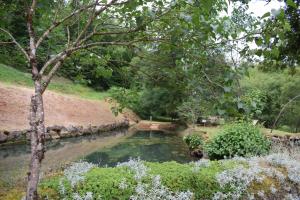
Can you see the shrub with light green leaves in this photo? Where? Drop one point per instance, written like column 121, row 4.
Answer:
column 193, row 141
column 238, row 139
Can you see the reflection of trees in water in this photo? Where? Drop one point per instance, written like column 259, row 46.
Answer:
column 23, row 149
column 149, row 146
column 152, row 134
column 14, row 150
column 98, row 158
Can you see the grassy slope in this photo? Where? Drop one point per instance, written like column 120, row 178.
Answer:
column 11, row 76
column 214, row 130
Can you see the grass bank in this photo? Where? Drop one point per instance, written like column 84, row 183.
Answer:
column 11, row 76
column 211, row 131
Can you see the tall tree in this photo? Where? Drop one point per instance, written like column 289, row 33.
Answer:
column 103, row 23
column 81, row 25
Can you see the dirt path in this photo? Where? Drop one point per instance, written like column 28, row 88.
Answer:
column 59, row 109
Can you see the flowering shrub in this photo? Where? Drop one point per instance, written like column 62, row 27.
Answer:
column 200, row 164
column 155, row 190
column 256, row 181
column 137, row 167
column 238, row 139
column 74, row 173
column 274, row 176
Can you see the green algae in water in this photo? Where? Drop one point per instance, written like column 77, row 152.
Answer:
column 106, row 149
column 154, row 146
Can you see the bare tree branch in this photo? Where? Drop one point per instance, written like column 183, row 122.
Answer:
column 56, row 24
column 119, row 32
column 124, row 43
column 15, row 42
column 68, row 32
column 32, row 45
column 52, row 61
column 92, row 17
column 282, row 109
column 30, row 28
column 7, row 43
column 90, row 21
column 69, row 51
column 212, row 82
column 52, row 72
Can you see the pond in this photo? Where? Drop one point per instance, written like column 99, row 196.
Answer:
column 106, row 150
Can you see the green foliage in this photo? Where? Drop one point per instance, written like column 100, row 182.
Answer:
column 193, row 141
column 173, row 175
column 253, row 104
column 280, row 37
column 238, row 139
column 190, row 110
column 276, row 89
column 124, row 98
column 155, row 102
column 158, row 102
column 106, row 181
column 100, row 68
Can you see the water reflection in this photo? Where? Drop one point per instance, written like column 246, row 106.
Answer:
column 150, row 146
column 106, row 149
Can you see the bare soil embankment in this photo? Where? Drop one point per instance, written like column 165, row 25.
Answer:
column 60, row 110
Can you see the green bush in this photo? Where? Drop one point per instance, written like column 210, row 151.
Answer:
column 106, row 181
column 238, row 139
column 173, row 175
column 227, row 179
column 193, row 141
column 100, row 181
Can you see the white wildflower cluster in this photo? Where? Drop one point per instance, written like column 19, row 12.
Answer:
column 153, row 191
column 261, row 194
column 292, row 166
column 87, row 196
column 137, row 166
column 200, row 164
column 291, row 197
column 240, row 159
column 273, row 189
column 61, row 187
column 75, row 172
column 239, row 178
column 229, row 195
column 123, row 185
column 156, row 191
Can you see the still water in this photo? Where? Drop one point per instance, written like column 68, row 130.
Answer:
column 105, row 150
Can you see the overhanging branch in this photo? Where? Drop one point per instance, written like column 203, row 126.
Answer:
column 15, row 42
column 57, row 23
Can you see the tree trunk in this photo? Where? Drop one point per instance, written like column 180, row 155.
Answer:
column 37, row 140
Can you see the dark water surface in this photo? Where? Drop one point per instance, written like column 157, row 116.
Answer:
column 149, row 146
column 106, row 150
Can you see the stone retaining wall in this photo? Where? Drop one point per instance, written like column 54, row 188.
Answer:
column 145, row 125
column 57, row 132
column 289, row 140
